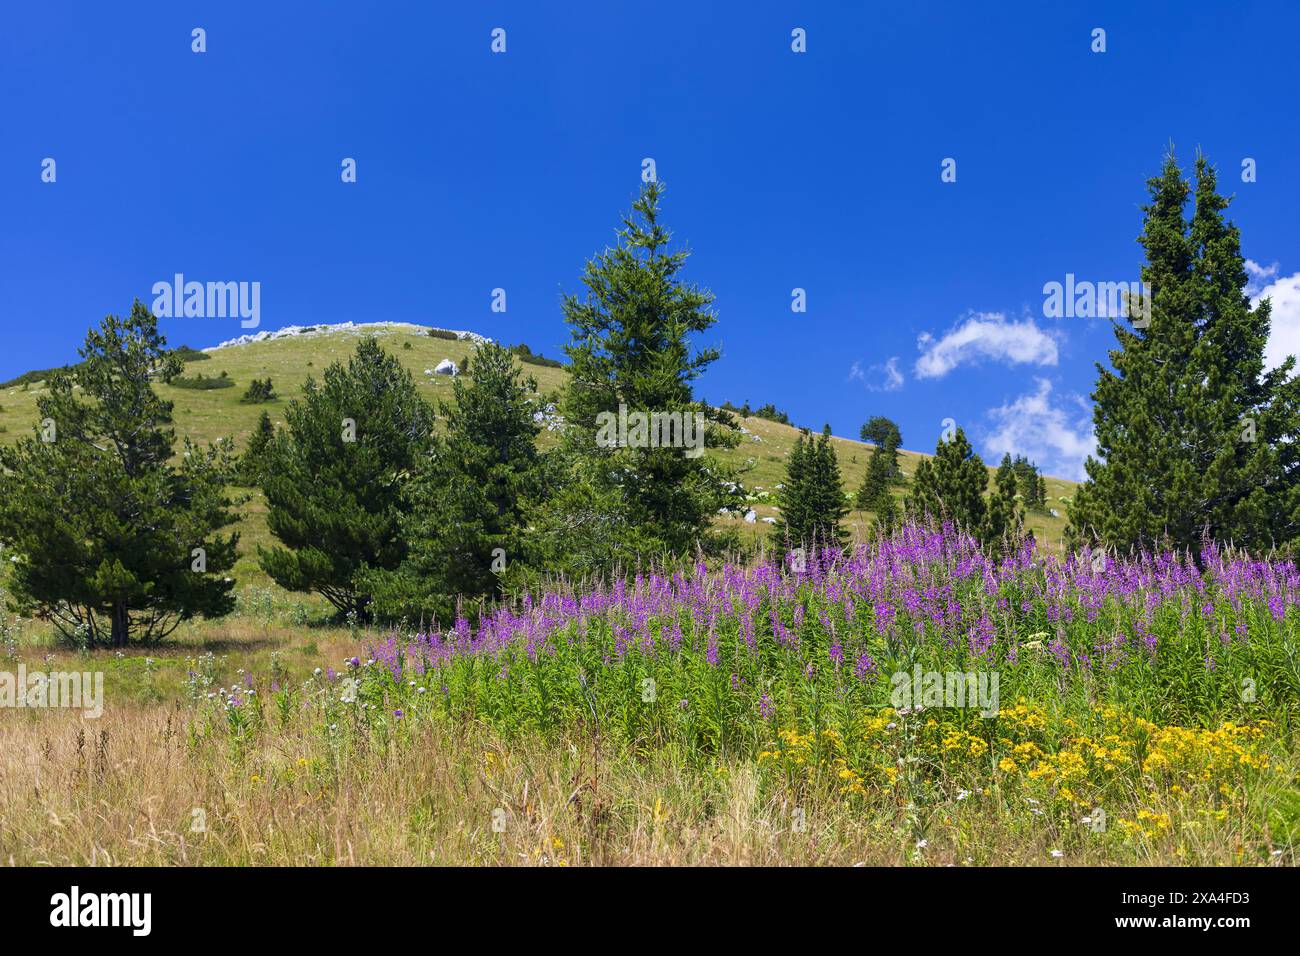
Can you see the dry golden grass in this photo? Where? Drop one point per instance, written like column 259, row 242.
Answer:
column 125, row 789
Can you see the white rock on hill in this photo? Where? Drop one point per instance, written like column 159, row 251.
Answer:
column 446, row 367
column 751, row 515
column 350, row 328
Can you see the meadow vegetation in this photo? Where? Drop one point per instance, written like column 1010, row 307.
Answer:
column 373, row 614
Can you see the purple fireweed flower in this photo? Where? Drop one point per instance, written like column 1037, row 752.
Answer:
column 866, row 667
column 765, row 706
column 925, row 585
column 981, row 636
column 1058, row 650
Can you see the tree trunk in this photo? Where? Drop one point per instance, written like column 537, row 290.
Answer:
column 121, row 623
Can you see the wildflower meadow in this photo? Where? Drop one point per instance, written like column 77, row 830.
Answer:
column 1144, row 706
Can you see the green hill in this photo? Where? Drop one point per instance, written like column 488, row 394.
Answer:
column 207, row 414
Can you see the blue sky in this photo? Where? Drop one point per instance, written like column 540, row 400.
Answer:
column 816, row 170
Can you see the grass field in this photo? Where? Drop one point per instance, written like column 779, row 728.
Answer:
column 736, row 715
column 766, row 733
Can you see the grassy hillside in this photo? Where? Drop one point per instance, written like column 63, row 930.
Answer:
column 210, row 414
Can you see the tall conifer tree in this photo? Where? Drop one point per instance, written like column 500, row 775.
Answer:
column 1194, row 436
column 630, row 351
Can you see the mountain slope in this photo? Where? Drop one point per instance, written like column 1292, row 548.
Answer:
column 207, row 415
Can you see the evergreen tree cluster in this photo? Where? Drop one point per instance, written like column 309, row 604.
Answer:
column 384, row 507
column 811, row 498
column 883, row 472
column 954, row 486
column 259, row 391
column 1030, row 483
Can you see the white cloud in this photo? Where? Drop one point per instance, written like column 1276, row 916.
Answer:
column 1284, row 336
column 879, row 378
column 985, row 335
column 1058, row 437
column 1259, row 276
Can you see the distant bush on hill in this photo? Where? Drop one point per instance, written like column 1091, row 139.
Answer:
column 768, row 411
column 444, row 334
column 259, row 390
column 32, row 377
column 526, row 355
column 203, row 382
column 184, row 353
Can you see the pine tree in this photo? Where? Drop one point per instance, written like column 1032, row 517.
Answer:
column 1193, row 436
column 630, row 352
column 333, row 478
column 886, row 515
column 111, row 539
column 464, row 512
column 1004, row 519
column 877, row 481
column 1029, row 482
column 951, row 485
column 886, row 436
column 259, row 391
column 250, row 463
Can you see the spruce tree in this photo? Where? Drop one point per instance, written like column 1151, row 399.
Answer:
column 1193, row 436
column 1027, row 481
column 830, row 506
column 111, row 539
column 885, row 515
column 630, row 351
column 333, row 478
column 812, row 496
column 794, row 497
